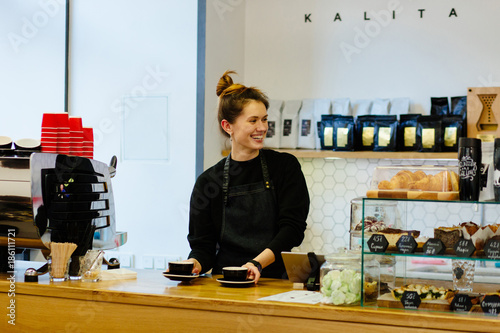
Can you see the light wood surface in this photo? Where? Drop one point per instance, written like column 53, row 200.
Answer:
column 24, row 242
column 153, row 303
column 405, row 155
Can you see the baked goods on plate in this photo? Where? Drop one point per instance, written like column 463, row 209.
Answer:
column 425, row 292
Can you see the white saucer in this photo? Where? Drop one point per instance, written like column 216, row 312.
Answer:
column 176, row 277
column 229, row 283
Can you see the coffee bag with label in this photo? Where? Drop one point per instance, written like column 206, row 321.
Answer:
column 325, row 130
column 385, row 133
column 452, row 129
column 274, row 124
column 343, row 133
column 290, row 124
column 365, row 132
column 429, row 133
column 321, row 106
column 307, row 130
column 407, row 132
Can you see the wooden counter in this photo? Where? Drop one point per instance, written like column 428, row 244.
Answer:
column 153, row 303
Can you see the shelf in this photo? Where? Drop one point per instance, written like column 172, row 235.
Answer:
column 403, row 155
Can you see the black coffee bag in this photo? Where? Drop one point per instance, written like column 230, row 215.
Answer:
column 343, row 133
column 407, row 132
column 429, row 133
column 439, row 106
column 365, row 132
column 386, row 128
column 452, row 129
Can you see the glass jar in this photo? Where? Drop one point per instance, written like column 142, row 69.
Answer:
column 377, row 216
column 340, row 279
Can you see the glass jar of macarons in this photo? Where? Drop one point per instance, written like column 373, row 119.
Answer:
column 341, row 278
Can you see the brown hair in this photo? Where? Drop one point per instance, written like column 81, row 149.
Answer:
column 233, row 97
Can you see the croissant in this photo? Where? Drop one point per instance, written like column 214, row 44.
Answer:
column 419, row 180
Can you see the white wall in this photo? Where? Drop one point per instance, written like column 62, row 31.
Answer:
column 31, row 65
column 136, row 48
column 409, row 56
column 225, row 39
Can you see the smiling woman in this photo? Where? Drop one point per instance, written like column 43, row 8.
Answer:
column 252, row 205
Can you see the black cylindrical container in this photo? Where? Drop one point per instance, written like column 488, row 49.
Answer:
column 469, row 168
column 496, row 172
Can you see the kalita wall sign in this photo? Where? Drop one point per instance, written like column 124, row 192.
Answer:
column 367, row 16
column 372, row 23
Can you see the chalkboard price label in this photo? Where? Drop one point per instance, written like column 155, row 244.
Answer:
column 377, row 243
column 491, row 304
column 410, row 300
column 492, row 249
column 406, row 244
column 461, row 303
column 464, row 248
column 433, row 247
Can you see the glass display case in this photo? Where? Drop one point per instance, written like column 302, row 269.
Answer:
column 447, row 255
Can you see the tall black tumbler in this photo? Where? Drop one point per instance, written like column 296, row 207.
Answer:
column 496, row 172
column 469, row 168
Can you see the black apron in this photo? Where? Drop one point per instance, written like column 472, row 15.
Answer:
column 249, row 222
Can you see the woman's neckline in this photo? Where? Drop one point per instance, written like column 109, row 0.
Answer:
column 246, row 161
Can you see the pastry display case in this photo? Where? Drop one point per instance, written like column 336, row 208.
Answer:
column 415, row 182
column 447, row 255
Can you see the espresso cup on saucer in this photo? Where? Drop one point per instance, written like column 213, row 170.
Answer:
column 5, row 142
column 180, row 267
column 235, row 273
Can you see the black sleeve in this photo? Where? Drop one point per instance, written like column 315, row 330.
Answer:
column 202, row 230
column 293, row 205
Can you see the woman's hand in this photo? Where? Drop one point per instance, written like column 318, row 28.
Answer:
column 253, row 272
column 196, row 267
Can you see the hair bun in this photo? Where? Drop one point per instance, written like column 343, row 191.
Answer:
column 224, row 82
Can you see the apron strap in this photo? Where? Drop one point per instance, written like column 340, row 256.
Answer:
column 225, row 179
column 265, row 171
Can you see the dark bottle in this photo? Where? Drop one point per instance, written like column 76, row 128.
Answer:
column 469, row 168
column 496, row 172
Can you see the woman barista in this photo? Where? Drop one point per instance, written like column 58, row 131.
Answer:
column 253, row 204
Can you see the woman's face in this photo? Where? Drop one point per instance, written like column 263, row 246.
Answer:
column 249, row 130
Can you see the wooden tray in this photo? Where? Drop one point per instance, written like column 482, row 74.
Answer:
column 420, row 195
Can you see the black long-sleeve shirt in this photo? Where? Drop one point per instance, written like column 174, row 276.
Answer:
column 205, row 216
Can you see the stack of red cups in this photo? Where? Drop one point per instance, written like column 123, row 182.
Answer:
column 55, row 133
column 76, row 136
column 88, row 142
column 62, row 134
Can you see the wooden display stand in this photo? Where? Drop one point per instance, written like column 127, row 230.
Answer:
column 483, row 113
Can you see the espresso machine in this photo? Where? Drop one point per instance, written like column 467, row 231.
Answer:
column 48, row 198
